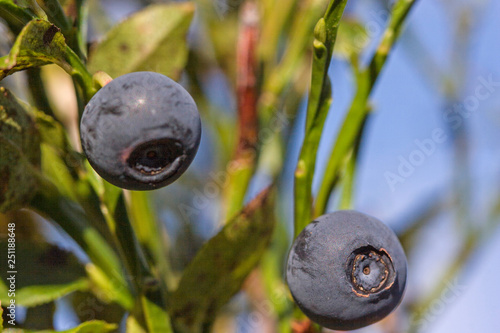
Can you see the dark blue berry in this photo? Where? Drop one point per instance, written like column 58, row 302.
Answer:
column 141, row 131
column 346, row 270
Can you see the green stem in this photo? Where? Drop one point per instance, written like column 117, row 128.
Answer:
column 317, row 109
column 348, row 183
column 353, row 124
column 399, row 14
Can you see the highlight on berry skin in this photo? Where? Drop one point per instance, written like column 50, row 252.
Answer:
column 346, row 270
column 141, row 131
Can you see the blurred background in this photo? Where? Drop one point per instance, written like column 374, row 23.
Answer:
column 428, row 163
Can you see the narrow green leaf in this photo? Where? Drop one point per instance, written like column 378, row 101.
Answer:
column 92, row 326
column 239, row 178
column 16, row 15
column 300, row 37
column 41, row 294
column 145, row 221
column 275, row 19
column 55, row 169
column 4, row 291
column 60, row 163
column 157, row 318
column 125, row 48
column 133, row 326
column 56, row 15
column 220, row 267
column 108, row 289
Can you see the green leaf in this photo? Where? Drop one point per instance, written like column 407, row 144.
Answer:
column 3, row 290
column 60, row 163
column 15, row 14
column 133, row 326
column 65, row 168
column 39, row 43
column 220, row 267
column 55, row 14
column 92, row 326
column 108, row 289
column 149, row 233
column 56, row 170
column 52, row 132
column 19, row 153
column 157, row 319
column 41, row 294
column 125, row 49
column 18, row 126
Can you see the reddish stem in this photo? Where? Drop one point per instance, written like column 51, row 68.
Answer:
column 246, row 81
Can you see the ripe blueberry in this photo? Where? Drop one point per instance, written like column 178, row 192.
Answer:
column 346, row 270
column 141, row 131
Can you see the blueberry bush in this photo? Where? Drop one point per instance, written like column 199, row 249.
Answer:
column 92, row 120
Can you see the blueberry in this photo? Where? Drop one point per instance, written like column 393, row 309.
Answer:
column 141, row 131
column 346, row 270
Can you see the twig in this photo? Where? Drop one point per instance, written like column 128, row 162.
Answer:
column 245, row 157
